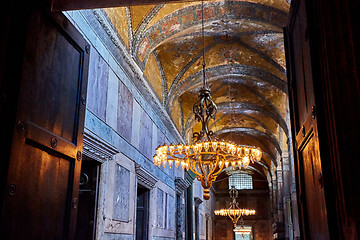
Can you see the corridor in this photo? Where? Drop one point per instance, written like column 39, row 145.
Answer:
column 169, row 120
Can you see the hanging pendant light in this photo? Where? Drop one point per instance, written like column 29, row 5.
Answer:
column 207, row 157
column 234, row 212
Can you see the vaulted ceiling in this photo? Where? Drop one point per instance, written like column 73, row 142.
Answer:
column 245, row 64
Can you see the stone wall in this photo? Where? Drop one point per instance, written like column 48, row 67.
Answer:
column 123, row 114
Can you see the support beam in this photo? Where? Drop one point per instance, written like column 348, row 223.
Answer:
column 66, row 5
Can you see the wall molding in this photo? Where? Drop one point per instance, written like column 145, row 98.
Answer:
column 97, row 148
column 181, row 185
column 145, row 177
column 197, row 201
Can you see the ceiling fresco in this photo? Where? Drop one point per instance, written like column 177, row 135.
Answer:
column 245, row 65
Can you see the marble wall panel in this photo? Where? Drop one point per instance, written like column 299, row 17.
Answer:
column 160, row 208
column 171, row 213
column 117, row 236
column 135, row 131
column 97, row 85
column 112, row 100
column 170, row 172
column 180, row 217
column 146, row 128
column 163, row 238
column 161, row 137
column 121, row 194
column 154, row 140
column 201, row 224
column 125, row 109
column 167, row 170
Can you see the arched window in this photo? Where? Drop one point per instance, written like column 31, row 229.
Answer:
column 241, row 181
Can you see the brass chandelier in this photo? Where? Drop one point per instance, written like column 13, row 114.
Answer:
column 207, row 156
column 234, row 212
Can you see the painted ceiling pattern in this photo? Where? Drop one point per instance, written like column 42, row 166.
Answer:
column 245, row 65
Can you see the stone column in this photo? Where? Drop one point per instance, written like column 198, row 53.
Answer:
column 197, row 202
column 288, row 215
column 278, row 225
column 292, row 183
column 189, row 177
column 208, row 227
column 180, row 186
column 293, row 194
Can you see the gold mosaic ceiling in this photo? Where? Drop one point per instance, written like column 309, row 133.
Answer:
column 245, row 64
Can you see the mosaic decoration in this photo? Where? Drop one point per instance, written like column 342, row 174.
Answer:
column 238, row 10
column 183, row 48
column 229, row 55
column 244, row 52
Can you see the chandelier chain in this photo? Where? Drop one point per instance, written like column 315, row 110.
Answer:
column 203, row 42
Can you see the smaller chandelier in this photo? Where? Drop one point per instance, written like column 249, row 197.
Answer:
column 234, row 212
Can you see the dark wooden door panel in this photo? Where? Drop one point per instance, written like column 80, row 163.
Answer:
column 31, row 212
column 302, row 81
column 314, row 208
column 311, row 196
column 53, row 65
column 44, row 165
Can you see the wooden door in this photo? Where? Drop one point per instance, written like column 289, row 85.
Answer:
column 88, row 199
column 142, row 213
column 46, row 152
column 311, row 197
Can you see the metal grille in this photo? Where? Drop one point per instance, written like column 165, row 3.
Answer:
column 241, row 181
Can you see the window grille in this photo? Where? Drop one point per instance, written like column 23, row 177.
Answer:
column 241, row 181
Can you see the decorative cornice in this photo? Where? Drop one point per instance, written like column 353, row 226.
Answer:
column 197, row 201
column 96, row 148
column 109, row 28
column 181, row 185
column 189, row 177
column 145, row 177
